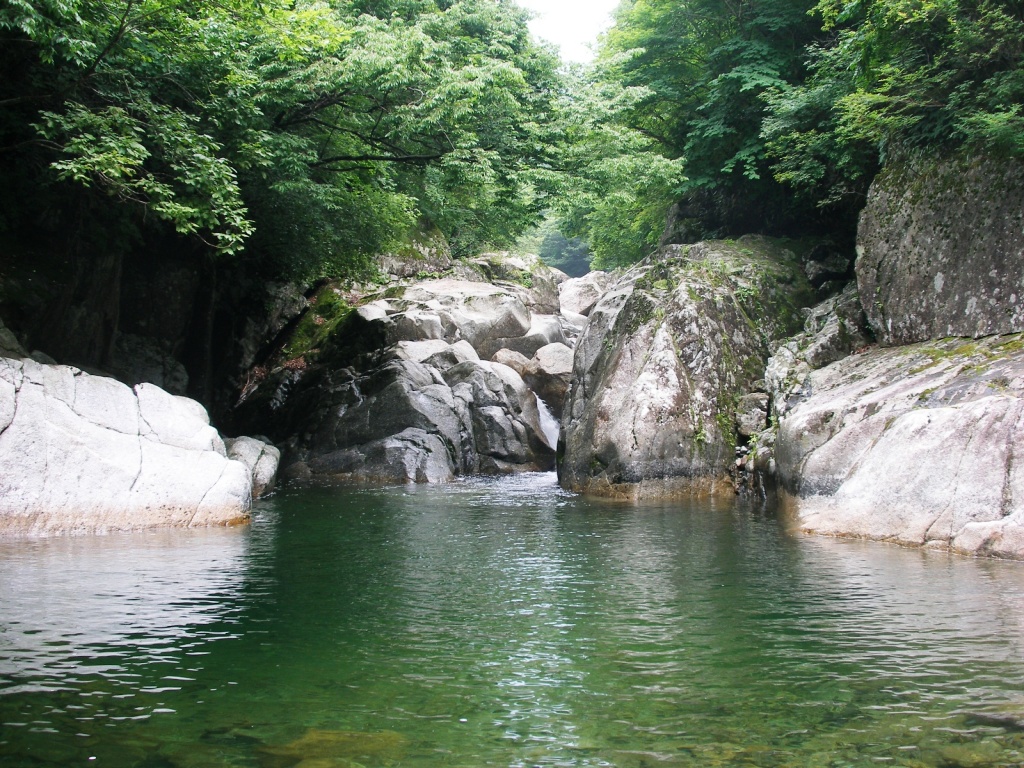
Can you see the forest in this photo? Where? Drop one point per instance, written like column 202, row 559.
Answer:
column 303, row 137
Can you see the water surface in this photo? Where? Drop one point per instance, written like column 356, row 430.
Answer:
column 503, row 622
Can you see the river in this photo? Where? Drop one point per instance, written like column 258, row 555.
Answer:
column 503, row 622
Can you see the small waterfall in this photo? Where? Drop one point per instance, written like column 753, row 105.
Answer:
column 548, row 424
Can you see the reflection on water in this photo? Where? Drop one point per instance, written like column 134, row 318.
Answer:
column 507, row 623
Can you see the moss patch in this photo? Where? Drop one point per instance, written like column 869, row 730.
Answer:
column 327, row 311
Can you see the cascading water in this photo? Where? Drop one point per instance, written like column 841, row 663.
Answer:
column 548, row 424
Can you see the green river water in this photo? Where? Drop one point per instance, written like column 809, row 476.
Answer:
column 503, row 622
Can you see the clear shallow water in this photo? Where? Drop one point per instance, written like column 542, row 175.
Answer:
column 504, row 623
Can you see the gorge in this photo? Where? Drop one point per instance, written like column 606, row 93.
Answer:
column 900, row 423
column 379, row 390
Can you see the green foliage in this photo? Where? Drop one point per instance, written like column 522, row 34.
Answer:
column 781, row 111
column 706, row 66
column 327, row 312
column 621, row 182
column 919, row 75
column 571, row 255
column 312, row 132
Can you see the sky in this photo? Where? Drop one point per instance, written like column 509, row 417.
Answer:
column 570, row 24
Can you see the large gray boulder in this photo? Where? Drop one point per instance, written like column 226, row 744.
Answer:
column 549, row 373
column 82, row 453
column 665, row 356
column 525, row 275
column 579, row 295
column 918, row 445
column 429, row 419
column 478, row 313
column 941, row 249
column 543, row 330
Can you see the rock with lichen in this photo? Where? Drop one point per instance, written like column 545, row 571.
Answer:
column 941, row 249
column 667, row 353
column 917, row 445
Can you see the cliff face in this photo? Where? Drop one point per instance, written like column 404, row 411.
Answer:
column 919, row 441
column 941, row 249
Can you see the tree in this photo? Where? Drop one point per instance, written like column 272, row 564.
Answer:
column 618, row 183
column 314, row 133
column 912, row 76
column 706, row 66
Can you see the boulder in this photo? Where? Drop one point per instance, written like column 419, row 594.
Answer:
column 514, row 360
column 411, row 456
column 549, row 373
column 82, row 453
column 941, row 249
column 752, row 414
column 479, row 312
column 9, row 345
column 525, row 275
column 138, row 359
column 543, row 330
column 425, row 251
column 917, row 445
column 418, row 351
column 834, row 329
column 507, row 432
column 260, row 457
column 579, row 295
column 666, row 353
column 403, row 372
column 825, row 264
column 354, row 426
column 459, row 352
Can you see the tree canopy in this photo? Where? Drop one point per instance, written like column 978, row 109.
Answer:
column 773, row 116
column 310, row 133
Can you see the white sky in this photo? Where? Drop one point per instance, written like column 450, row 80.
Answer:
column 572, row 25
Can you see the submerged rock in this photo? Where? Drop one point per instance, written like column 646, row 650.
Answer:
column 319, row 747
column 83, row 453
column 918, row 445
column 665, row 356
